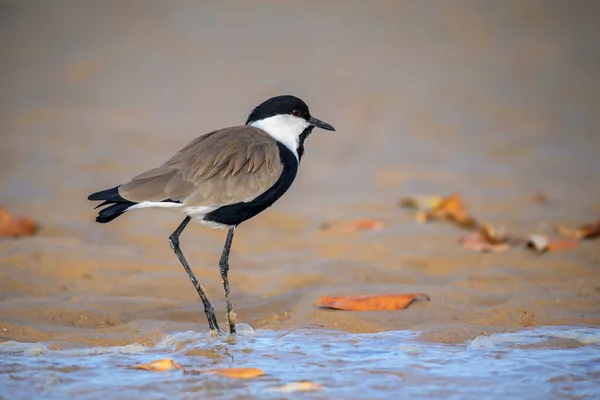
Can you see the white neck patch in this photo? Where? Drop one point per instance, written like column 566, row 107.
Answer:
column 284, row 128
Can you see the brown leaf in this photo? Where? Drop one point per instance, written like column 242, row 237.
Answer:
column 486, row 239
column 15, row 227
column 356, row 225
column 587, row 231
column 165, row 364
column 451, row 208
column 370, row 302
column 236, row 373
column 562, row 245
column 568, row 232
column 542, row 243
column 301, row 386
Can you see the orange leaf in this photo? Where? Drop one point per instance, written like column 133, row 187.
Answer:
column 486, row 239
column 588, row 231
column 14, row 227
column 451, row 208
column 357, row 225
column 542, row 243
column 165, row 364
column 568, row 232
column 561, row 245
column 370, row 302
column 301, row 386
column 237, row 373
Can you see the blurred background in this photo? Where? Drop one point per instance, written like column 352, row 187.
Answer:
column 474, row 96
column 493, row 100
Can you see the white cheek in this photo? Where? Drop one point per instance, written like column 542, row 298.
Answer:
column 286, row 129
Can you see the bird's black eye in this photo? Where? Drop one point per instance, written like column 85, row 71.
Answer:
column 296, row 113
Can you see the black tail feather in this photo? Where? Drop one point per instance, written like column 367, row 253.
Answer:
column 111, row 195
column 117, row 205
column 109, row 213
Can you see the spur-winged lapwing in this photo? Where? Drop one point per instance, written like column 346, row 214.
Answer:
column 221, row 179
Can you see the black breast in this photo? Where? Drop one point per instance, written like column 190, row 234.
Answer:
column 237, row 213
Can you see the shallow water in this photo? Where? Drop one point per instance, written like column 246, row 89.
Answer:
column 546, row 362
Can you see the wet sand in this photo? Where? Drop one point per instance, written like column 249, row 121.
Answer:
column 491, row 101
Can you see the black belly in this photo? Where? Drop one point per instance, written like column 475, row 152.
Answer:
column 237, row 213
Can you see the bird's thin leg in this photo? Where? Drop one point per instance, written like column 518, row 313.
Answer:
column 208, row 308
column 224, row 267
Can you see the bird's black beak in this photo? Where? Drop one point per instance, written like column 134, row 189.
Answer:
column 320, row 124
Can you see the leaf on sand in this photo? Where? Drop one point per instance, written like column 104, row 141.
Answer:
column 165, row 364
column 356, row 225
column 236, row 373
column 486, row 239
column 370, row 302
column 587, row 231
column 15, row 227
column 542, row 243
column 451, row 208
column 301, row 386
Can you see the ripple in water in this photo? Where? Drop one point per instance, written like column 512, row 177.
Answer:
column 550, row 362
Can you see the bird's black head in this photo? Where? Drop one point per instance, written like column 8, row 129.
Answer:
column 285, row 105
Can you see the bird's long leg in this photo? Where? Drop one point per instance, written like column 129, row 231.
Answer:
column 208, row 308
column 224, row 267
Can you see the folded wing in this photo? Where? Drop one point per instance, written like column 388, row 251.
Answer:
column 223, row 167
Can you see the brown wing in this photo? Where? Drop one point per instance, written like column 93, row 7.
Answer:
column 222, row 167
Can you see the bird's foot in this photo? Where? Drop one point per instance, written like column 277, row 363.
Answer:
column 231, row 320
column 214, row 333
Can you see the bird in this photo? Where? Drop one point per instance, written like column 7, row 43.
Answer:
column 221, row 179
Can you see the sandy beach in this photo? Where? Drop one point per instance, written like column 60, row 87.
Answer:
column 495, row 102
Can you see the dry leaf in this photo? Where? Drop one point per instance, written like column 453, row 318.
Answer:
column 357, row 225
column 542, row 243
column 451, row 208
column 15, row 227
column 370, row 302
column 562, row 245
column 587, row 231
column 568, row 232
column 236, row 373
column 165, row 364
column 301, row 386
column 486, row 239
